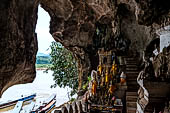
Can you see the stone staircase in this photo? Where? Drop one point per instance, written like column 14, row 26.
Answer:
column 152, row 96
column 131, row 98
column 74, row 107
column 143, row 98
column 132, row 86
column 131, row 93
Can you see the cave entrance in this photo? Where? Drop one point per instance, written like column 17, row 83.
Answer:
column 43, row 81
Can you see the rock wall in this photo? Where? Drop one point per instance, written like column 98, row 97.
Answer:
column 18, row 42
column 74, row 23
column 142, row 21
column 139, row 35
column 152, row 11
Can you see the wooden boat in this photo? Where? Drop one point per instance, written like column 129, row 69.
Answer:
column 11, row 104
column 47, row 106
column 17, row 107
column 30, row 107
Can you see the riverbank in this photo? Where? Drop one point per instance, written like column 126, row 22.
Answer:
column 41, row 86
column 43, row 67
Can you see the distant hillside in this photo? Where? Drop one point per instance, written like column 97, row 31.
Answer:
column 42, row 58
column 42, row 54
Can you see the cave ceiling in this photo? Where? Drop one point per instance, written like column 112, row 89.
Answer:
column 74, row 23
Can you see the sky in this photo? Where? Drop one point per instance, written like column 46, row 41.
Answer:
column 42, row 30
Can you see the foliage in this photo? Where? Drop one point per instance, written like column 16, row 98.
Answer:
column 64, row 67
column 72, row 99
column 85, row 86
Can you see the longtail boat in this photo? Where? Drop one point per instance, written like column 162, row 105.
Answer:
column 47, row 106
column 17, row 107
column 30, row 107
column 11, row 104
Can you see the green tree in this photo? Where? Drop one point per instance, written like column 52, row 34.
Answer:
column 64, row 67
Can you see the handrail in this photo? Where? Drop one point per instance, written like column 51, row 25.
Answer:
column 140, row 81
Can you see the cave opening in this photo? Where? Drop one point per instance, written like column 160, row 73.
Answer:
column 109, row 25
column 41, row 86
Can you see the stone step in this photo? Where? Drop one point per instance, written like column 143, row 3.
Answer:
column 131, row 82
column 131, row 104
column 132, row 72
column 131, row 98
column 130, row 58
column 133, row 88
column 131, row 78
column 131, row 93
column 131, row 110
column 130, row 62
column 132, row 75
column 131, row 66
column 131, row 69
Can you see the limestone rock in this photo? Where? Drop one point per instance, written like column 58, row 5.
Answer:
column 18, row 42
column 74, row 23
column 150, row 11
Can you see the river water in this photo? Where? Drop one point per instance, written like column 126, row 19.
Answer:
column 40, row 86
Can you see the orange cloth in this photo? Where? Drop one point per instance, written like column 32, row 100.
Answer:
column 94, row 86
column 107, row 77
column 114, row 69
column 100, row 69
column 112, row 89
column 122, row 80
